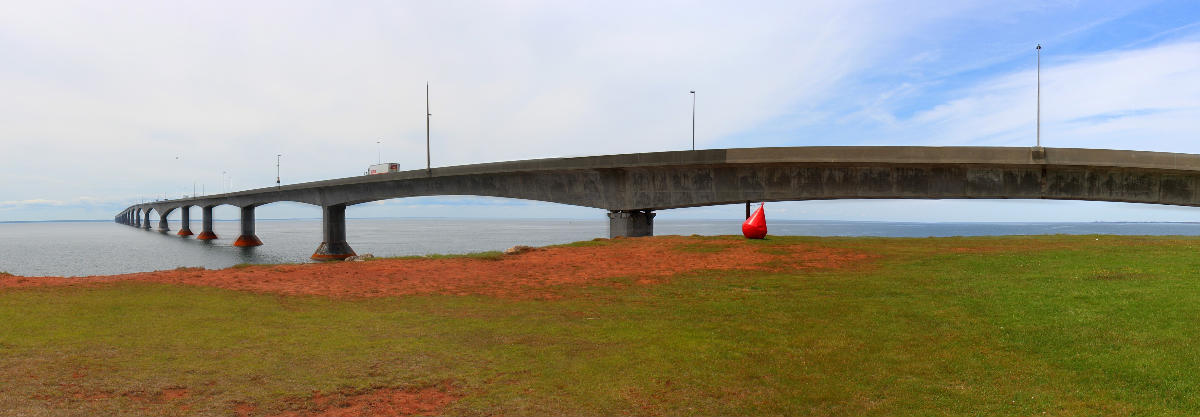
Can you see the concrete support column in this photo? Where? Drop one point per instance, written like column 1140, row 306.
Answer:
column 185, row 228
column 632, row 223
column 146, row 221
column 206, row 232
column 162, row 223
column 137, row 218
column 247, row 237
column 333, row 235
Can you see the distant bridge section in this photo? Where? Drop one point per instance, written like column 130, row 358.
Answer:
column 632, row 186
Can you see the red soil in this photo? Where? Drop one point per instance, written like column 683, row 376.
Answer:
column 386, row 402
column 532, row 274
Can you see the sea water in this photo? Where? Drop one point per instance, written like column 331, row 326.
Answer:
column 104, row 247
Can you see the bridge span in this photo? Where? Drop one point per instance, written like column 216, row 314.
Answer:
column 632, row 186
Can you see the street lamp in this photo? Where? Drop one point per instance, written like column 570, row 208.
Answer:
column 1039, row 95
column 378, row 152
column 428, row 169
column 277, row 169
column 693, row 93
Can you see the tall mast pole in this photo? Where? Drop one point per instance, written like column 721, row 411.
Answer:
column 693, row 119
column 1039, row 95
column 428, row 167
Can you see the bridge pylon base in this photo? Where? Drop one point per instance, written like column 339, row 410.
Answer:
column 246, row 241
column 185, row 232
column 206, row 235
column 335, row 251
column 631, row 223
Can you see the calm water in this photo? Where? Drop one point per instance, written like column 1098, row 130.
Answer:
column 99, row 248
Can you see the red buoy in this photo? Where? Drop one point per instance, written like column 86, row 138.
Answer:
column 756, row 226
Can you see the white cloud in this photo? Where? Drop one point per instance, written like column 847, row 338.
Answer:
column 1145, row 99
column 148, row 98
column 144, row 100
column 32, row 202
column 104, row 202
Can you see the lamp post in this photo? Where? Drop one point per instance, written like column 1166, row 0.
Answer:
column 693, row 93
column 1039, row 95
column 428, row 167
column 378, row 152
column 277, row 156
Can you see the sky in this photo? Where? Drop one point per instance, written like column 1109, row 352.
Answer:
column 105, row 104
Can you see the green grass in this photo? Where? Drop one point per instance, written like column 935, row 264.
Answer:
column 1056, row 325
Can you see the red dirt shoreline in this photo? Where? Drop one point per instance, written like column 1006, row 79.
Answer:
column 532, row 274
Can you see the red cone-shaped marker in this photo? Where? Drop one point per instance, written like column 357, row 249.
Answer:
column 756, row 226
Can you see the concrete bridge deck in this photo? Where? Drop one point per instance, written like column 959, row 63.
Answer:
column 632, row 186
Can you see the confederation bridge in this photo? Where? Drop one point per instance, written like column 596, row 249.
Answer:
column 632, row 187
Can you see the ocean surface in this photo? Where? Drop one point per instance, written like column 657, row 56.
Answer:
column 103, row 248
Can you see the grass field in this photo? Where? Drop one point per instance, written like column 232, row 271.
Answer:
column 1057, row 325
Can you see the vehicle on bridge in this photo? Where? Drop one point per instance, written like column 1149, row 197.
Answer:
column 383, row 168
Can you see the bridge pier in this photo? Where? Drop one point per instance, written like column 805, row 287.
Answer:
column 162, row 223
column 333, row 235
column 146, row 221
column 247, row 238
column 631, row 223
column 185, row 228
column 137, row 218
column 206, row 232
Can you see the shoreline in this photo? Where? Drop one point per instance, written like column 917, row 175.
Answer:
column 529, row 274
column 810, row 238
